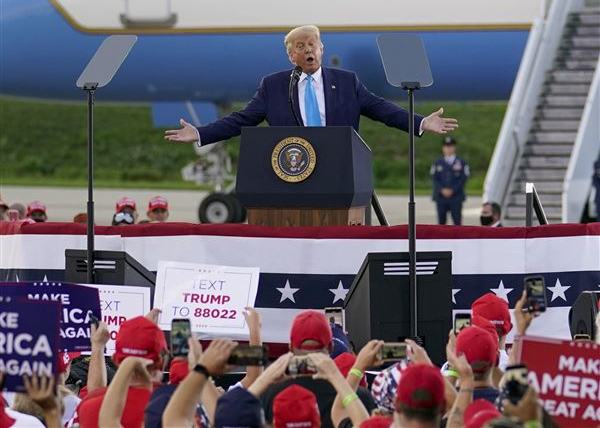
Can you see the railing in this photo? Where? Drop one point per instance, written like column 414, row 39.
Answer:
column 542, row 44
column 577, row 184
column 532, row 202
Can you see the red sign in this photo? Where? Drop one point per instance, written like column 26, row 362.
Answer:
column 567, row 377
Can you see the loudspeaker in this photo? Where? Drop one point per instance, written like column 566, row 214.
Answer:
column 377, row 305
column 110, row 267
column 582, row 316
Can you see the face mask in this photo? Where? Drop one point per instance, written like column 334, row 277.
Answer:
column 486, row 220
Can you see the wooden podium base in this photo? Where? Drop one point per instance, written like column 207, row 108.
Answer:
column 306, row 216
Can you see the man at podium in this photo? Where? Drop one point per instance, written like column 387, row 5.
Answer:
column 323, row 97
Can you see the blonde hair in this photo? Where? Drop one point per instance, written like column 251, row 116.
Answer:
column 305, row 30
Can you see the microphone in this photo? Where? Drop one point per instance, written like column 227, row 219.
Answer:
column 294, row 78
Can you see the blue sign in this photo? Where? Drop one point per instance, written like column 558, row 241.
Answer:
column 78, row 305
column 29, row 338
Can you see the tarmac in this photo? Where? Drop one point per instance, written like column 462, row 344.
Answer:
column 63, row 203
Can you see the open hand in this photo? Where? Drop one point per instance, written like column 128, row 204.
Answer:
column 187, row 134
column 215, row 357
column 438, row 124
column 41, row 391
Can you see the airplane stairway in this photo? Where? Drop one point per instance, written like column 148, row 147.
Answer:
column 548, row 148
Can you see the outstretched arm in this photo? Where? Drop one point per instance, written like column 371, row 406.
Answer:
column 438, row 124
column 254, row 325
column 114, row 401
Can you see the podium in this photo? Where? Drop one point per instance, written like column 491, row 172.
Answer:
column 304, row 176
column 377, row 305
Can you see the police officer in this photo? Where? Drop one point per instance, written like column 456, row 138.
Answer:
column 449, row 174
column 596, row 180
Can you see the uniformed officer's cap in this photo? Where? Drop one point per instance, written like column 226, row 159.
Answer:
column 449, row 141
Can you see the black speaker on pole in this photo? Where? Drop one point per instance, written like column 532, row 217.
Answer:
column 582, row 316
column 378, row 304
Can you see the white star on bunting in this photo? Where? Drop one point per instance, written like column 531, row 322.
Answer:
column 339, row 293
column 501, row 291
column 559, row 291
column 455, row 291
column 287, row 292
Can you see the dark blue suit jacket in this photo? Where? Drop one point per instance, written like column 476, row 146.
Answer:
column 453, row 176
column 346, row 99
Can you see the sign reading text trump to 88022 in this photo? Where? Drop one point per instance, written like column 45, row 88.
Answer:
column 211, row 297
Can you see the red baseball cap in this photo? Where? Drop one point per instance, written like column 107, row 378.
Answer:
column 124, row 203
column 139, row 337
column 65, row 358
column 344, row 362
column 36, row 206
column 478, row 347
column 296, row 407
column 310, row 325
column 487, row 325
column 376, row 422
column 158, row 202
column 178, row 371
column 421, row 386
column 495, row 309
column 479, row 405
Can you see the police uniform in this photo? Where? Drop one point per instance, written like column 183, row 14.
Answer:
column 596, row 181
column 451, row 172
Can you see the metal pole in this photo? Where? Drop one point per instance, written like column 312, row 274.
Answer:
column 412, row 228
column 378, row 210
column 90, row 204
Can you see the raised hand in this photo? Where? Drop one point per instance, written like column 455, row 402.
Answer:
column 458, row 363
column 416, row 353
column 438, row 124
column 523, row 318
column 368, row 355
column 41, row 391
column 215, row 357
column 187, row 134
column 253, row 320
column 326, row 368
column 153, row 315
column 99, row 336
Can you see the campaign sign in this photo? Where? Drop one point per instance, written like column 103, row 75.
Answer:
column 212, row 297
column 119, row 303
column 567, row 377
column 79, row 303
column 29, row 336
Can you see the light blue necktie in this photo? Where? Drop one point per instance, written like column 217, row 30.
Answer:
column 311, row 108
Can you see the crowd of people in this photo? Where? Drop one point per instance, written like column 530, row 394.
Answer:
column 125, row 212
column 144, row 386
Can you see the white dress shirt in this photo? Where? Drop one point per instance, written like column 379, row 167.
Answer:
column 317, row 85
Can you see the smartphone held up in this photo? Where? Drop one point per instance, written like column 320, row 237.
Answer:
column 535, row 290
column 180, row 333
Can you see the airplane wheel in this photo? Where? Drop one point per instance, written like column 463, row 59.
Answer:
column 218, row 208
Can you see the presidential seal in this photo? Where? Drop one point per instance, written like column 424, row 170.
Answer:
column 293, row 159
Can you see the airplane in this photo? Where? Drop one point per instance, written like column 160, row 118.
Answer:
column 193, row 59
